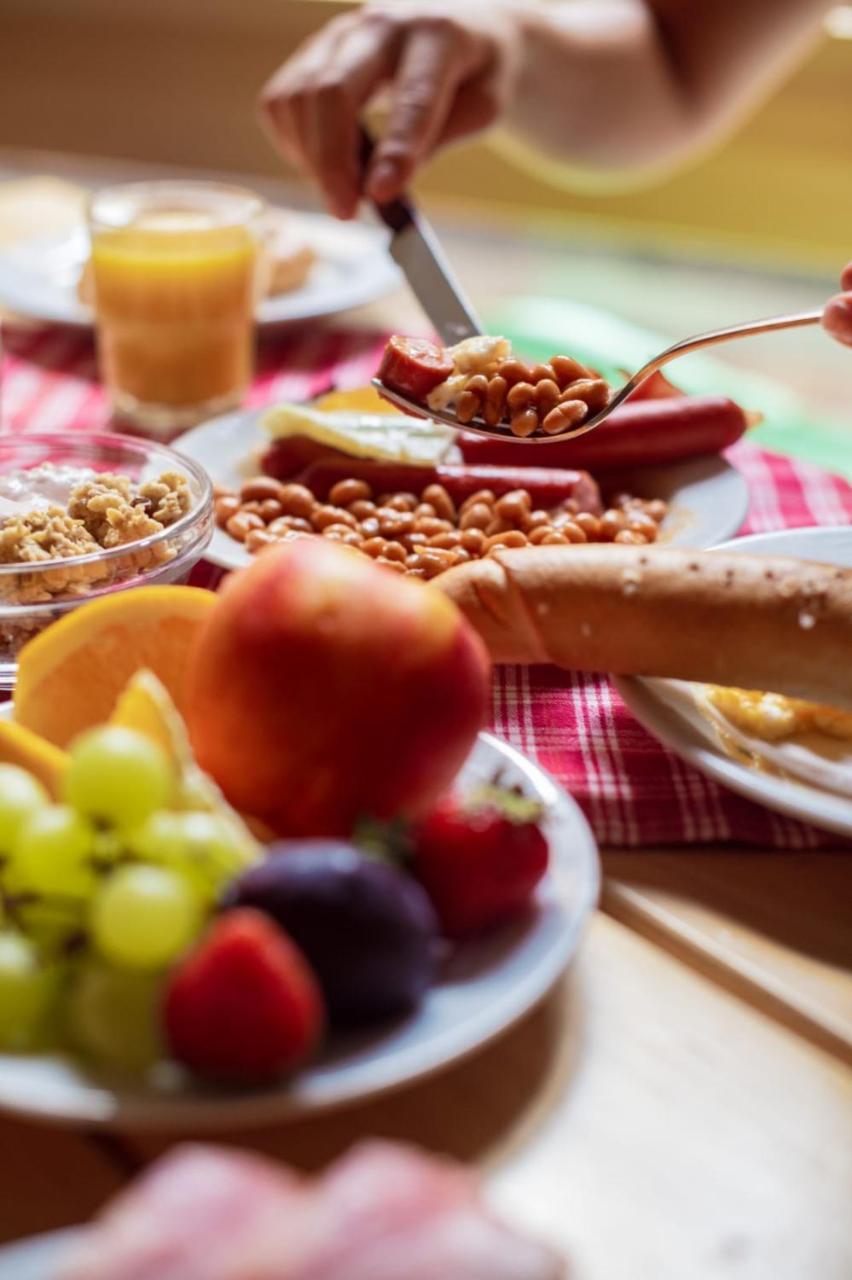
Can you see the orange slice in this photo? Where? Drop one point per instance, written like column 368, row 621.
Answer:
column 29, row 751
column 71, row 675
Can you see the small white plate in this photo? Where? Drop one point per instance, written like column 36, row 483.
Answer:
column 708, row 497
column 651, row 706
column 38, row 278
column 487, row 985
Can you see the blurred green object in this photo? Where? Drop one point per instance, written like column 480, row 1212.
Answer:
column 541, row 326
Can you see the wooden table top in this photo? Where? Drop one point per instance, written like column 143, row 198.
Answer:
column 679, row 1108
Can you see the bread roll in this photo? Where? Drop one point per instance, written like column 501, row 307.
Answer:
column 754, row 622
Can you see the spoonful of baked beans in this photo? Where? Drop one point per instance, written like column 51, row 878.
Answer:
column 479, row 385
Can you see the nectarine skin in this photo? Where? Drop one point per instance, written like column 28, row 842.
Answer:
column 325, row 688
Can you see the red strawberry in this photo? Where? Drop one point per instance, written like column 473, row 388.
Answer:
column 244, row 1005
column 480, row 859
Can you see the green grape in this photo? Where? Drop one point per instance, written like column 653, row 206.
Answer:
column 119, row 776
column 20, row 795
column 112, row 1016
column 199, row 845
column 27, row 992
column 144, row 917
column 52, row 854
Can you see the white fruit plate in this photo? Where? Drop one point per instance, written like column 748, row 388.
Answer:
column 487, row 985
column 707, row 497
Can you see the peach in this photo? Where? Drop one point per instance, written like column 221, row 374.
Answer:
column 325, row 688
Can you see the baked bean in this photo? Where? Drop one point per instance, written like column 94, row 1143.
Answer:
column 436, row 496
column 513, row 506
column 524, row 424
column 433, row 561
column 226, row 506
column 566, row 370
column 512, row 538
column 567, row 414
column 539, row 533
column 387, row 563
column 476, row 517
column 347, row 491
column 369, row 527
column 541, row 373
column 612, row 522
column 656, row 509
column 481, row 495
column 592, row 391
column 639, row 522
column 261, row 488
column 534, row 519
column 414, row 572
column 374, row 546
column 467, row 407
column 447, row 541
column 402, row 502
column 432, row 525
column 325, row 515
column 289, row 524
column 240, row 525
column 393, row 523
column 572, row 532
column 425, row 509
column 460, row 556
column 412, row 561
column 515, row 371
column 498, row 525
column 297, row 500
column 254, row 507
column 631, row 538
column 590, row 525
column 413, row 540
column 495, row 401
column 257, row 539
column 473, row 540
column 554, row 539
column 362, row 509
column 520, row 397
column 395, row 551
column 343, row 533
column 546, row 397
column 270, row 509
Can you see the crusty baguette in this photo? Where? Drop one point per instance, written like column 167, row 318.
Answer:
column 755, row 622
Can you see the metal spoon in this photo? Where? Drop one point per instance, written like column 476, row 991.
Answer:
column 504, row 432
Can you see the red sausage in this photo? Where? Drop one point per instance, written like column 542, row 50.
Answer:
column 547, row 487
column 414, row 367
column 290, row 455
column 645, row 433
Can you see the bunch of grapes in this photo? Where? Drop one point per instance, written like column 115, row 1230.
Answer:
column 100, row 894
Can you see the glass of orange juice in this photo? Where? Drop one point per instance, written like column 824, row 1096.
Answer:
column 174, row 271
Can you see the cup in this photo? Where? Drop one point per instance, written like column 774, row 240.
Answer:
column 175, row 268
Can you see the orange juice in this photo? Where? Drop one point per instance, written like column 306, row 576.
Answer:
column 174, row 299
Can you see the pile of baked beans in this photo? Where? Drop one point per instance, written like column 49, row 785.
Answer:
column 552, row 397
column 423, row 534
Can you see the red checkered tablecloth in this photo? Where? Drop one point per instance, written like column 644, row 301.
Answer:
column 633, row 790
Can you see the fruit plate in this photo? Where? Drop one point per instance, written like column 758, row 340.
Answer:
column 38, row 278
column 708, row 498
column 666, row 711
column 485, row 986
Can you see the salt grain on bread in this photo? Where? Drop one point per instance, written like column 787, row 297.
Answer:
column 752, row 622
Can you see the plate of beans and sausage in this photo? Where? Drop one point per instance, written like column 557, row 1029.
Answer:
column 421, row 511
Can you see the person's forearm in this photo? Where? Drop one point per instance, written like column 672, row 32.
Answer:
column 612, row 85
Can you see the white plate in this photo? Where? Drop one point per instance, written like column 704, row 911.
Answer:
column 649, row 704
column 486, row 986
column 38, row 278
column 708, row 497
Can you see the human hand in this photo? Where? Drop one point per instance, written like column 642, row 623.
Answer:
column 450, row 69
column 837, row 317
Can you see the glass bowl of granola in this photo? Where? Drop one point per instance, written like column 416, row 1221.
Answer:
column 85, row 515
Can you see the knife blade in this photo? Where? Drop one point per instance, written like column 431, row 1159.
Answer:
column 415, row 249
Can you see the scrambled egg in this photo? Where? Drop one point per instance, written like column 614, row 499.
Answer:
column 772, row 716
column 482, row 354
